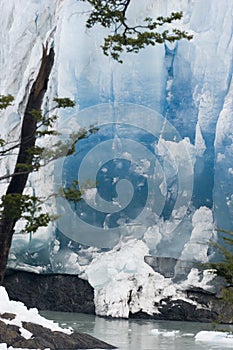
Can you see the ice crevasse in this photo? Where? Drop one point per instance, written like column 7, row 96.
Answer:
column 161, row 158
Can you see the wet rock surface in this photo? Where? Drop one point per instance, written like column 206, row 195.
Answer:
column 207, row 308
column 67, row 293
column 43, row 338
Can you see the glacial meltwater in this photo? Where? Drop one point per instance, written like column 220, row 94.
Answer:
column 140, row 334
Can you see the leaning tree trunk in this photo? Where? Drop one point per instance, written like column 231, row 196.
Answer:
column 27, row 142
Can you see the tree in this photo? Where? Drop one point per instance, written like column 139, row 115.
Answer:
column 112, row 14
column 224, row 267
column 14, row 204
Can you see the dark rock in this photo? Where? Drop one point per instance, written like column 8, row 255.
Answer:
column 67, row 293
column 7, row 316
column 179, row 310
column 45, row 338
column 199, row 307
column 9, row 334
column 215, row 304
column 199, row 290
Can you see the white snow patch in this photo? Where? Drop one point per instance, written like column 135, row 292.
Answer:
column 23, row 314
column 25, row 333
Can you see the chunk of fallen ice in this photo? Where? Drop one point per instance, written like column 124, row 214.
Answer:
column 164, row 332
column 225, row 338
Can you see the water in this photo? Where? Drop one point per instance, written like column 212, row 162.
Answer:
column 138, row 334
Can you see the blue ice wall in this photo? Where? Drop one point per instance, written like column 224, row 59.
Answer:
column 163, row 150
column 186, row 84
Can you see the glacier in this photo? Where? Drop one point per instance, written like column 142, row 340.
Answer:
column 160, row 164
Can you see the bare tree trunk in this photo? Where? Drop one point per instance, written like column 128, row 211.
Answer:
column 27, row 142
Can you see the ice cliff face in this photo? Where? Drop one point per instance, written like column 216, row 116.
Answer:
column 162, row 157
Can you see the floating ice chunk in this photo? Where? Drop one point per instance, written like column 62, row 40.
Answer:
column 164, row 332
column 154, row 331
column 224, row 338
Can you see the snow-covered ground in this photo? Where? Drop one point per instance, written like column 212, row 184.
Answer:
column 4, row 347
column 23, row 314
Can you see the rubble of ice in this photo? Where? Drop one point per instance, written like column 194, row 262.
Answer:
column 161, row 160
column 125, row 284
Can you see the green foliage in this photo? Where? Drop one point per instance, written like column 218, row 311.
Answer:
column 43, row 119
column 227, row 295
column 66, row 148
column 224, row 268
column 64, row 102
column 72, row 193
column 113, row 14
column 45, row 126
column 76, row 191
column 29, row 208
column 6, row 101
column 13, row 205
column 37, row 156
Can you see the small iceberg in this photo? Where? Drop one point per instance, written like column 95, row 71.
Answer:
column 164, row 333
column 225, row 338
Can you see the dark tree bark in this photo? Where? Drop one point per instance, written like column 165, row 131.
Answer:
column 25, row 157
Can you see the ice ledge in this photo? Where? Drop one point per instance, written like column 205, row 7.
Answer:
column 125, row 285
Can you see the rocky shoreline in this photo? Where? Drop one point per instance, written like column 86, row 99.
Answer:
column 44, row 338
column 25, row 328
column 69, row 293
